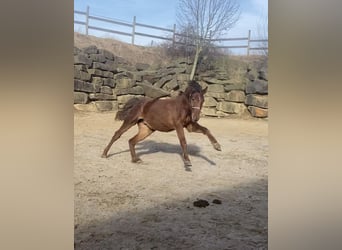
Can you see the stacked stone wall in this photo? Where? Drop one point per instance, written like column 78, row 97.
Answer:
column 105, row 82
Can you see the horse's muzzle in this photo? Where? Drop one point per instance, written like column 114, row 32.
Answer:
column 195, row 117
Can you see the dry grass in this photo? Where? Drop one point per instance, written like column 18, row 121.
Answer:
column 157, row 56
column 132, row 53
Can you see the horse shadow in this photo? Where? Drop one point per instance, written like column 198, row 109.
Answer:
column 150, row 147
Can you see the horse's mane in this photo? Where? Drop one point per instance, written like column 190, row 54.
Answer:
column 193, row 87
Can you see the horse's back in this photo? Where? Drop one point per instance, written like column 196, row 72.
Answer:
column 160, row 114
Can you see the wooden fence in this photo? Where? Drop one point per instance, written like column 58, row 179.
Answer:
column 174, row 34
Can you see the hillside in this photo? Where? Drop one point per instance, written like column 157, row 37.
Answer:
column 132, row 53
column 154, row 55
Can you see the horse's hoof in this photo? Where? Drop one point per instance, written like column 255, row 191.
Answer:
column 104, row 156
column 187, row 163
column 137, row 160
column 217, row 146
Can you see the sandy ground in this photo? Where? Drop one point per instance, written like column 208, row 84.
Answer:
column 122, row 205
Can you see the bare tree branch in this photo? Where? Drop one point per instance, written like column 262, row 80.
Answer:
column 206, row 19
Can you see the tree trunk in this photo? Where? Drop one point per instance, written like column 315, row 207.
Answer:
column 194, row 66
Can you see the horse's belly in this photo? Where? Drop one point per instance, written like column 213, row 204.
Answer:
column 159, row 126
column 160, row 115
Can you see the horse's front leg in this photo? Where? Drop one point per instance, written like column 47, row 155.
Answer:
column 182, row 140
column 195, row 127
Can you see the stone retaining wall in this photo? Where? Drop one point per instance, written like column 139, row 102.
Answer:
column 105, row 82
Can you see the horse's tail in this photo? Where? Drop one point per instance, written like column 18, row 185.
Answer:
column 131, row 109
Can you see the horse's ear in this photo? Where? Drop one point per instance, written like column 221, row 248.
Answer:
column 204, row 90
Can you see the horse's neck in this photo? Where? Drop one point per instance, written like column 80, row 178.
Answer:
column 183, row 101
column 182, row 98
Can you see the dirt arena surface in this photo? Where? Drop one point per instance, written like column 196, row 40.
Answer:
column 122, row 205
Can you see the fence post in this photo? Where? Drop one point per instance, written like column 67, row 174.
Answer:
column 87, row 20
column 249, row 42
column 133, row 29
column 174, row 36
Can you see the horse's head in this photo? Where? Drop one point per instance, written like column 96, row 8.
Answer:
column 196, row 99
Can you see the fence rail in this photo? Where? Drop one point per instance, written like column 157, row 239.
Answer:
column 173, row 32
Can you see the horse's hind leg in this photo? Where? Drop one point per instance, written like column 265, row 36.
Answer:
column 124, row 127
column 143, row 132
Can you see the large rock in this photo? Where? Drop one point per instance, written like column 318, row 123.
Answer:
column 209, row 102
column 124, row 83
column 80, row 98
column 109, row 82
column 262, row 74
column 252, row 73
column 77, row 50
column 183, row 77
column 101, row 73
column 97, row 80
column 235, row 96
column 223, row 77
column 234, row 86
column 120, row 60
column 81, row 75
column 101, row 66
column 92, row 49
column 152, row 91
column 82, row 59
column 217, row 95
column 211, row 80
column 203, row 84
column 231, row 107
column 182, row 61
column 260, row 101
column 209, row 111
column 160, row 83
column 112, row 66
column 84, row 86
column 208, row 74
column 122, row 99
column 101, row 96
column 257, row 87
column 136, row 76
column 216, row 88
column 106, row 90
column 142, row 66
column 106, row 105
column 258, row 112
column 150, row 76
column 124, row 67
column 171, row 85
column 80, row 67
column 107, row 54
column 171, row 71
column 124, row 74
column 251, row 76
column 137, row 90
column 97, row 58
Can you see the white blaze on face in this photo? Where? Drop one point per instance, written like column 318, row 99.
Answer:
column 196, row 101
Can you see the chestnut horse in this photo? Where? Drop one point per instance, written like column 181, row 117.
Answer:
column 177, row 113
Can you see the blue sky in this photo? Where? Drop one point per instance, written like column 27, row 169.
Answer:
column 162, row 13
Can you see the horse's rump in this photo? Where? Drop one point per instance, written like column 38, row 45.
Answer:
column 131, row 108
